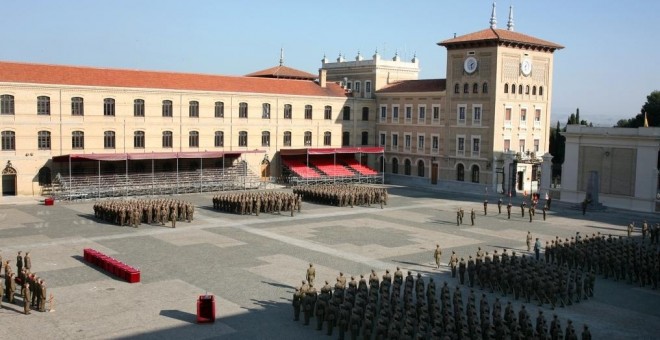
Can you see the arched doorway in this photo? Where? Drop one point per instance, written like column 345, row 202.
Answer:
column 9, row 180
column 45, row 176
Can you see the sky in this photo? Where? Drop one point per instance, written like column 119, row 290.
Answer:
column 610, row 62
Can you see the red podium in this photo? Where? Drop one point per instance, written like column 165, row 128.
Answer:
column 205, row 309
column 49, row 201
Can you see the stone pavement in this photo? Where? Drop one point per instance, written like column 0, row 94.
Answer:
column 251, row 264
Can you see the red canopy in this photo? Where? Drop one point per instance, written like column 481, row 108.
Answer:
column 329, row 151
column 148, row 155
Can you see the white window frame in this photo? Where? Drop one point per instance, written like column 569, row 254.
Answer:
column 408, row 109
column 421, row 139
column 460, row 107
column 382, row 113
column 395, row 113
column 477, row 121
column 435, row 143
column 357, row 87
column 433, row 109
column 395, row 141
column 421, row 114
column 523, row 123
column 459, row 152
column 475, row 153
column 537, row 123
column 407, row 141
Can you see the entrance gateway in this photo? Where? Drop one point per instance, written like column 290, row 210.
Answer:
column 9, row 180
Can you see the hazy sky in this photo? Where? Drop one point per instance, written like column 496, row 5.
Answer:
column 610, row 64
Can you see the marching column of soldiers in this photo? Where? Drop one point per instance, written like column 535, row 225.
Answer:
column 343, row 195
column 135, row 212
column 32, row 289
column 394, row 307
column 248, row 203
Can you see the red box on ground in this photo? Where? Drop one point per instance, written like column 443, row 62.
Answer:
column 134, row 276
column 205, row 308
column 49, row 201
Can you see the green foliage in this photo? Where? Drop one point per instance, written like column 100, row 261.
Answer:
column 652, row 110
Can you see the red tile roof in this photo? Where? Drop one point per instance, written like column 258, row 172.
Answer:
column 281, row 72
column 424, row 85
column 500, row 35
column 11, row 72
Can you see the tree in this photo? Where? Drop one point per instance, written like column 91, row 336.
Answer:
column 652, row 110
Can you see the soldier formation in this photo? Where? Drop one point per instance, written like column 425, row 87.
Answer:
column 135, row 212
column 343, row 195
column 32, row 288
column 395, row 307
column 248, row 203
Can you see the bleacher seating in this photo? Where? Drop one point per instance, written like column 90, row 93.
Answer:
column 301, row 169
column 328, row 167
column 355, row 165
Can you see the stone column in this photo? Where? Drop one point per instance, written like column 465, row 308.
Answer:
column 508, row 180
column 546, row 174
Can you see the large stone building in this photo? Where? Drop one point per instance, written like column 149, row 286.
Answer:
column 483, row 127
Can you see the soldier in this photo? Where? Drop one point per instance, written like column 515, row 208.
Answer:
column 458, row 217
column 508, row 210
column 499, row 205
column 453, row 263
column 311, row 274
column 586, row 334
column 471, row 269
column 10, row 285
column 436, row 255
column 309, row 301
column 173, row 218
column 342, row 280
column 462, row 214
column 297, row 300
column 190, row 210
column 645, row 231
column 545, row 211
column 531, row 213
column 485, row 207
column 522, row 208
column 472, row 216
column 537, row 249
column 529, row 240
column 26, row 298
column 461, row 271
column 19, row 262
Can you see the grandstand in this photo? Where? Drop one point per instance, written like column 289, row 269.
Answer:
column 332, row 165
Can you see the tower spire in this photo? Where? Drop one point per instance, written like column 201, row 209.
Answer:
column 493, row 19
column 281, row 56
column 509, row 24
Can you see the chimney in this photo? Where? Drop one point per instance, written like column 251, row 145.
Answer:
column 322, row 77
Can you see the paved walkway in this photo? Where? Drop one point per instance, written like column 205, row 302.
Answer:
column 252, row 264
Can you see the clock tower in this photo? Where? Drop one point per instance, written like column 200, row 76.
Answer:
column 497, row 107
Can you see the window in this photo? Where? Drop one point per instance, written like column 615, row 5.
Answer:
column 193, row 108
column 537, row 145
column 357, row 87
column 507, row 145
column 381, row 139
column 521, row 143
column 460, row 146
column 461, row 113
column 507, row 116
column 540, row 90
column 475, row 174
column 527, row 89
column 457, row 88
column 383, row 113
column 349, row 85
column 421, row 114
column 346, row 113
column 167, row 139
column 395, row 114
column 484, row 88
column 520, row 89
column 108, row 107
column 420, row 168
column 537, row 117
column 43, row 106
column 77, row 106
column 475, row 88
column 219, row 110
column 367, row 88
column 138, row 139
column 167, row 108
column 420, row 143
column 138, row 108
column 460, row 172
column 327, row 112
column 43, row 140
column 523, row 115
column 365, row 138
column 77, row 140
column 265, row 138
column 506, row 88
column 407, row 167
column 436, row 113
column 395, row 141
column 327, row 138
column 408, row 113
column 109, row 139
column 242, row 138
column 308, row 138
column 287, row 111
column 265, row 111
column 242, row 110
column 466, row 88
column 476, row 146
column 219, row 139
column 407, row 141
column 193, row 139
column 308, row 112
column 365, row 114
column 476, row 115
column 287, row 138
column 8, row 140
column 435, row 143
column 395, row 166
column 513, row 88
column 534, row 90
column 345, row 138
column 7, row 104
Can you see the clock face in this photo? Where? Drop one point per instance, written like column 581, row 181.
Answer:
column 470, row 65
column 526, row 67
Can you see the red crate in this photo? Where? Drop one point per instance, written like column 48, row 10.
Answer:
column 205, row 309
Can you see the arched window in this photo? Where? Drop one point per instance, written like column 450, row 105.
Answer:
column 475, row 174
column 219, row 110
column 475, row 88
column 287, row 111
column 484, row 88
column 242, row 110
column 407, row 167
column 6, row 104
column 193, row 108
column 420, row 168
column 460, row 172
column 327, row 112
column 8, row 140
column 345, row 138
column 44, row 176
column 308, row 112
column 108, row 107
column 242, row 138
column 138, row 139
column 506, row 88
column 395, row 165
column 168, row 138
column 365, row 138
column 520, row 88
column 457, row 88
column 109, row 139
column 540, row 90
column 77, row 140
column 287, row 138
column 526, row 89
column 43, row 105
column 327, row 138
column 265, row 138
column 466, row 88
column 219, row 139
column 513, row 88
column 167, row 108
column 77, row 106
column 347, row 113
column 308, row 138
column 534, row 90
column 138, row 108
column 265, row 111
column 43, row 140
column 193, row 139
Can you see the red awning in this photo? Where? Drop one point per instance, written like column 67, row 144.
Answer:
column 330, row 151
column 110, row 157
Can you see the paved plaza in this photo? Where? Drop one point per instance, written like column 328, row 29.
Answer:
column 252, row 264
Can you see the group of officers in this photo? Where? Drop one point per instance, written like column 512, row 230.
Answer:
column 32, row 288
column 248, row 203
column 395, row 307
column 531, row 210
column 150, row 211
column 343, row 195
